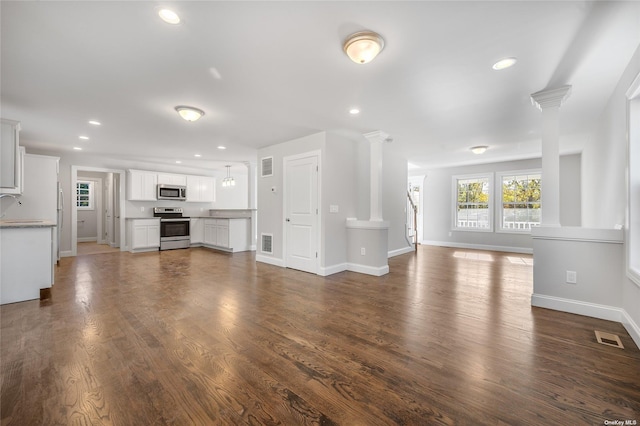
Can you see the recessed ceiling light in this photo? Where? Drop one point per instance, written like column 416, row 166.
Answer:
column 84, row 138
column 480, row 149
column 189, row 113
column 77, row 148
column 222, row 147
column 178, row 161
column 197, row 155
column 504, row 63
column 354, row 111
column 169, row 16
column 95, row 123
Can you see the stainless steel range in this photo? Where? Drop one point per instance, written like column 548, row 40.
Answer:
column 174, row 228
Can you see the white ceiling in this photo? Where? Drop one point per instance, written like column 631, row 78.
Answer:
column 267, row 72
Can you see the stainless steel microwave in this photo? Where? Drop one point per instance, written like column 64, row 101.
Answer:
column 172, row 192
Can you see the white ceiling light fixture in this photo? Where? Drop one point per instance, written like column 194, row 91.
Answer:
column 169, row 16
column 504, row 63
column 354, row 111
column 363, row 46
column 189, row 113
column 480, row 149
column 220, row 147
column 228, row 181
column 77, row 148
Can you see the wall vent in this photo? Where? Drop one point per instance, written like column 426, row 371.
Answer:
column 266, row 168
column 266, row 245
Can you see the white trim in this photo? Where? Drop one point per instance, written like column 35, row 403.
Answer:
column 285, row 160
column 633, row 138
column 86, row 239
column 577, row 233
column 507, row 249
column 270, row 260
column 333, row 269
column 368, row 270
column 66, row 253
column 594, row 310
column 400, row 251
column 632, row 328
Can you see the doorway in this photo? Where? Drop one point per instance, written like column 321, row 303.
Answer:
column 301, row 201
column 107, row 196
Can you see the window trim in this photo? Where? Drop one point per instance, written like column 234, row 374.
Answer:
column 632, row 242
column 499, row 202
column 92, row 196
column 454, row 201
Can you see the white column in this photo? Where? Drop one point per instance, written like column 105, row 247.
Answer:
column 549, row 102
column 252, row 201
column 376, row 139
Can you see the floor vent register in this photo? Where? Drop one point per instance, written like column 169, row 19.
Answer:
column 608, row 339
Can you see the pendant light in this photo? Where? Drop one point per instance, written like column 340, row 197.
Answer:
column 228, row 181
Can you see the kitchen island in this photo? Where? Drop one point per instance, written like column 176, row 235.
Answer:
column 26, row 259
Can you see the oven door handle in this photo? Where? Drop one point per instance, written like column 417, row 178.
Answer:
column 174, row 220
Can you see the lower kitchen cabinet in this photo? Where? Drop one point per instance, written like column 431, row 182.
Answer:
column 227, row 234
column 196, row 231
column 143, row 234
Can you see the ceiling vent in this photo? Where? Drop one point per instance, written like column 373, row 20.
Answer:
column 266, row 168
column 266, row 245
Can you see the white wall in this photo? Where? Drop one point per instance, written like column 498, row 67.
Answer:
column 438, row 206
column 604, row 191
column 133, row 208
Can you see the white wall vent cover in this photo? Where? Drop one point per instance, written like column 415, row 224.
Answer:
column 267, row 167
column 266, row 245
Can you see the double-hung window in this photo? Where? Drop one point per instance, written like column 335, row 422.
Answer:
column 520, row 206
column 472, row 202
column 85, row 195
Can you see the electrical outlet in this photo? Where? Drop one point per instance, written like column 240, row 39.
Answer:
column 449, row 233
column 572, row 277
column 333, row 208
column 363, row 251
column 142, row 209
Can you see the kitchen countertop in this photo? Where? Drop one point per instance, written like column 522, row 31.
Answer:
column 139, row 218
column 26, row 223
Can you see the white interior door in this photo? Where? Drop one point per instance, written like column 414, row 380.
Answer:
column 301, row 213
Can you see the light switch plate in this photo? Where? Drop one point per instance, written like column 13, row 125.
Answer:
column 333, row 208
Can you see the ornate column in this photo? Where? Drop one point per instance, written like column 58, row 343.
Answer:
column 549, row 102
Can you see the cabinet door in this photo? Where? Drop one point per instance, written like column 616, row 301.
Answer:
column 193, row 188
column 210, row 234
column 172, row 179
column 207, row 189
column 196, row 231
column 139, row 236
column 222, row 233
column 10, row 167
column 141, row 185
column 149, row 184
column 153, row 236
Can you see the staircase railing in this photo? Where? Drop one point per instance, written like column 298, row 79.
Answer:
column 414, row 208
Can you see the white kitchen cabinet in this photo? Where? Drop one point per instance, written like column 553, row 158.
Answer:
column 228, row 234
column 141, row 185
column 10, row 157
column 196, row 230
column 201, row 189
column 143, row 234
column 172, row 179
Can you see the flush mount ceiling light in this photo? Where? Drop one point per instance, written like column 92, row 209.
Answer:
column 95, row 123
column 363, row 46
column 222, row 147
column 504, row 63
column 84, row 138
column 169, row 16
column 189, row 113
column 480, row 149
column 354, row 111
column 228, row 181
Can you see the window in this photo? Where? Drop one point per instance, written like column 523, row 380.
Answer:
column 85, row 195
column 472, row 203
column 633, row 200
column 520, row 208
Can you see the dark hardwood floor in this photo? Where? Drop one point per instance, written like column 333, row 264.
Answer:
column 201, row 337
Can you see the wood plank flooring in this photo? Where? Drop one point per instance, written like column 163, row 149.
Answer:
column 201, row 337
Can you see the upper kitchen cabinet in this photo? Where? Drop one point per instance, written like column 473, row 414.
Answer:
column 10, row 158
column 141, row 185
column 201, row 189
column 172, row 179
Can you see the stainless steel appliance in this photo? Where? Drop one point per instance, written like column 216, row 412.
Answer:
column 174, row 228
column 171, row 192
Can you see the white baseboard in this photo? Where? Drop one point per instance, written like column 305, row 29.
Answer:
column 369, row 270
column 333, row 269
column 66, row 253
column 478, row 246
column 632, row 327
column 605, row 312
column 87, row 239
column 270, row 260
column 400, row 251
